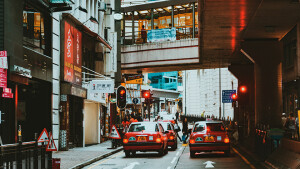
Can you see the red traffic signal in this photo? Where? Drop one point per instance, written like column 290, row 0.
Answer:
column 234, row 96
column 122, row 92
column 243, row 89
column 146, row 94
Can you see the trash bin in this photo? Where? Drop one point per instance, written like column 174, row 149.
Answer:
column 55, row 163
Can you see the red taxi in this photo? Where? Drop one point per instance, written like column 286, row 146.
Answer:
column 209, row 136
column 145, row 136
column 172, row 136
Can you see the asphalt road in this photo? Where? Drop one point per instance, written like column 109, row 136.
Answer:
column 179, row 159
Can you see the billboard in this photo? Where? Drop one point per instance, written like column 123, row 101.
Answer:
column 159, row 35
column 72, row 55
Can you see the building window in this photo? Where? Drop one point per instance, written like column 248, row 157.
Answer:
column 33, row 29
column 167, row 80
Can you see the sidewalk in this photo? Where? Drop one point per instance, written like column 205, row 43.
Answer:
column 82, row 156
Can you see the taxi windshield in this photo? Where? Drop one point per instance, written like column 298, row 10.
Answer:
column 137, row 127
column 215, row 126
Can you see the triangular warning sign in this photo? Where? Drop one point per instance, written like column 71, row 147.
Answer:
column 51, row 144
column 44, row 136
column 114, row 133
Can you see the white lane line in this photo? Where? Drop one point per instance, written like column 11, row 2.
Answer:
column 169, row 167
column 177, row 153
column 174, row 159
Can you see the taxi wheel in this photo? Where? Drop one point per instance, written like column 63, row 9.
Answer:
column 161, row 152
column 166, row 150
column 127, row 153
column 174, row 147
column 192, row 154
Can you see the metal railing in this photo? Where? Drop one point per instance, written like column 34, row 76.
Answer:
column 25, row 155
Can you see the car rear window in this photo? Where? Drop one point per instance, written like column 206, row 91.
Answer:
column 166, row 126
column 199, row 127
column 143, row 127
column 215, row 126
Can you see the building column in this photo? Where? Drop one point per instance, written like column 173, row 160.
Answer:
column 152, row 19
column 133, row 36
column 172, row 17
column 267, row 59
column 193, row 19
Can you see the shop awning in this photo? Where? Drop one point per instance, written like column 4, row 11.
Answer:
column 86, row 30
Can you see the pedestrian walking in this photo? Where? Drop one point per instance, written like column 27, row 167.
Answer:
column 177, row 129
column 185, row 130
column 144, row 34
column 177, row 115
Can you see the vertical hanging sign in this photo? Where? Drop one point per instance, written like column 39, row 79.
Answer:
column 3, row 78
column 3, row 60
column 72, row 55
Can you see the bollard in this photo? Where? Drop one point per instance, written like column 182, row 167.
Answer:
column 19, row 148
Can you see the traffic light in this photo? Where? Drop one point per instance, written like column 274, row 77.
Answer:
column 121, row 97
column 243, row 89
column 234, row 97
column 146, row 94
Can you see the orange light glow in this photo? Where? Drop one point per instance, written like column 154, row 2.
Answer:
column 192, row 141
column 226, row 140
column 158, row 140
column 122, row 92
column 125, row 141
column 171, row 137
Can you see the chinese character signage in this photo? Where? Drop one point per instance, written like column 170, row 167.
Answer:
column 159, row 35
column 101, row 86
column 3, row 60
column 72, row 55
column 3, row 78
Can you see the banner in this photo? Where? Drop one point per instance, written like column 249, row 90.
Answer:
column 72, row 55
column 159, row 35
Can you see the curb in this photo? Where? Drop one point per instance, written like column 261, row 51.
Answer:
column 96, row 159
column 249, row 156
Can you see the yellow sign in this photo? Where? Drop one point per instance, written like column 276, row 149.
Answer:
column 135, row 81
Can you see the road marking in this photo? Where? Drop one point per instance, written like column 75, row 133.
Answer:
column 246, row 161
column 131, row 165
column 177, row 153
column 209, row 164
column 105, row 160
column 173, row 160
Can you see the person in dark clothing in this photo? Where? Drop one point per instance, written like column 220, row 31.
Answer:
column 177, row 129
column 144, row 34
column 139, row 117
column 177, row 115
column 185, row 129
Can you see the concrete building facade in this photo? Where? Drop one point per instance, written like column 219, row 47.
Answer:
column 202, row 92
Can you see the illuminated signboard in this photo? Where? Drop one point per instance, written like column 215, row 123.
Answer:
column 72, row 55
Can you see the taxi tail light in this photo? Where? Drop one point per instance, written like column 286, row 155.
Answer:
column 158, row 140
column 192, row 140
column 208, row 130
column 125, row 140
column 226, row 140
column 171, row 137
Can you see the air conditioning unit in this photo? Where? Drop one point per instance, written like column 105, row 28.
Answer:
column 102, row 6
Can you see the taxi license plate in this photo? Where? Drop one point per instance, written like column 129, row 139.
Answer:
column 209, row 138
column 142, row 138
